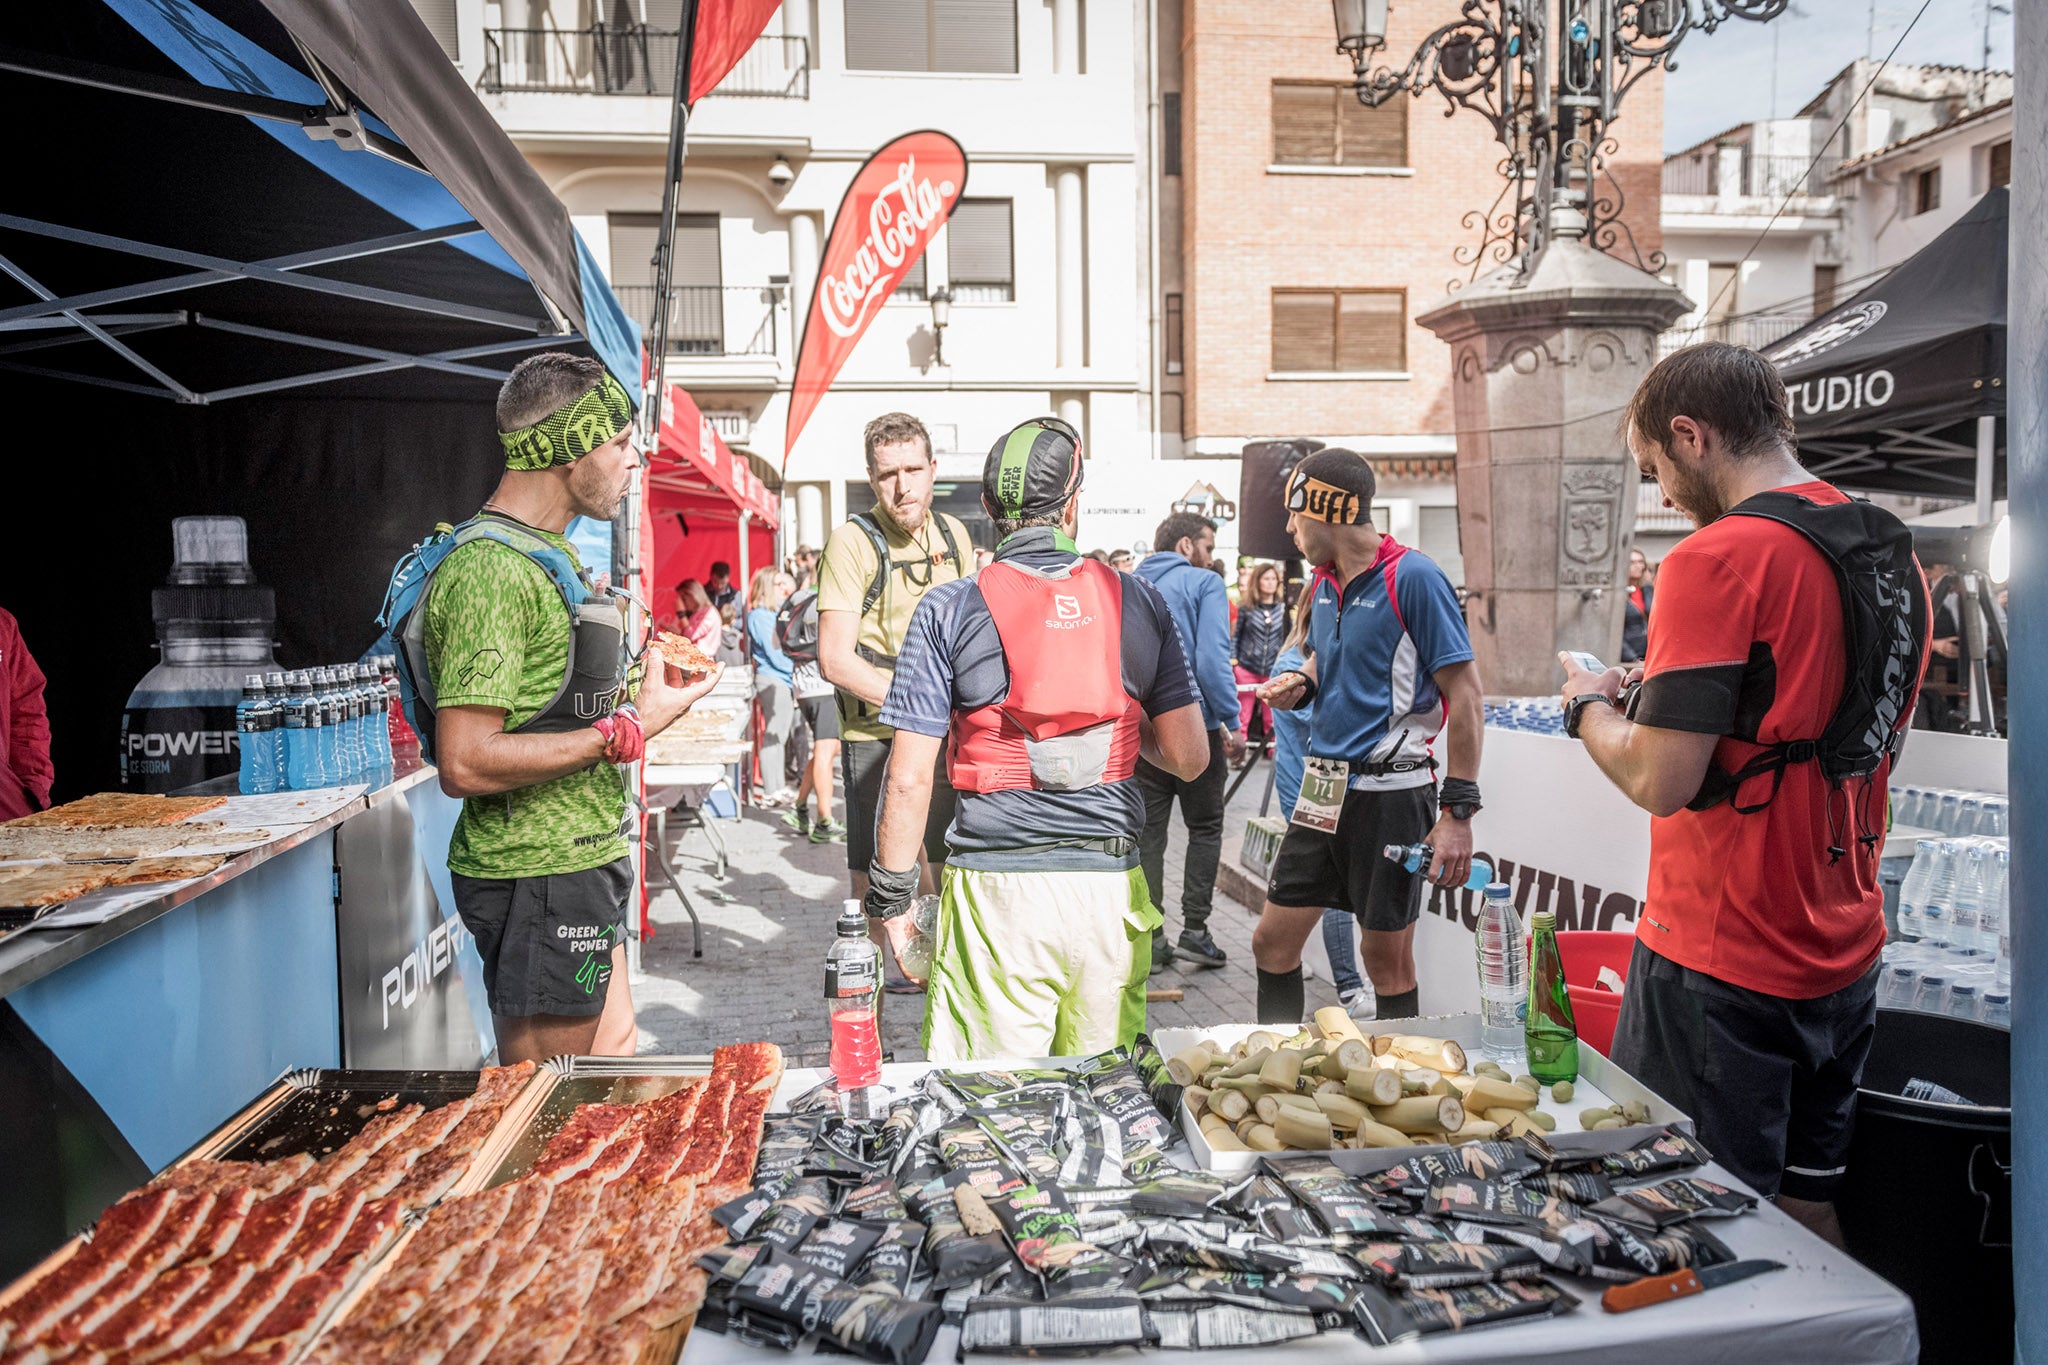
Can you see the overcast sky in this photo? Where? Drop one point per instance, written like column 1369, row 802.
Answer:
column 1725, row 78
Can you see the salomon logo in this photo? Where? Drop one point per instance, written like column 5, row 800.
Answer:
column 1066, row 608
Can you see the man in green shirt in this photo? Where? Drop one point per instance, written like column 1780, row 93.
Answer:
column 538, row 857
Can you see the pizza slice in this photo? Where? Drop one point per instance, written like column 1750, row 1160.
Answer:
column 167, row 869
column 682, row 655
column 120, row 810
column 52, row 884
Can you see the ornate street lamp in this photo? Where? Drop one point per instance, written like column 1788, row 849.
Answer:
column 942, row 313
column 1549, row 76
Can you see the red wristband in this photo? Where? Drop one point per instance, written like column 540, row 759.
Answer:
column 624, row 741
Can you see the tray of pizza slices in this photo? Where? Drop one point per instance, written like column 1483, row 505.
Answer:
column 244, row 1246
column 110, row 841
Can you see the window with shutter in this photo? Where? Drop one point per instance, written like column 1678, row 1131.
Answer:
column 1169, row 141
column 1304, row 330
column 1371, row 137
column 913, row 285
column 1304, row 124
column 697, row 301
column 931, row 35
column 1340, row 331
column 888, row 35
column 1371, row 333
column 978, row 251
column 1172, row 329
column 440, row 19
column 1999, row 164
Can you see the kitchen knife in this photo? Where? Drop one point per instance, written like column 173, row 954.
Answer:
column 1651, row 1289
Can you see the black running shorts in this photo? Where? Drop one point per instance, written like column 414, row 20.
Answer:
column 547, row 942
column 1348, row 870
column 1770, row 1083
column 862, row 766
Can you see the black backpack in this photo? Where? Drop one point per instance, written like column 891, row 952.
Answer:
column 796, row 626
column 1885, row 626
column 884, row 564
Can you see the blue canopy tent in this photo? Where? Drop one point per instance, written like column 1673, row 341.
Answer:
column 268, row 258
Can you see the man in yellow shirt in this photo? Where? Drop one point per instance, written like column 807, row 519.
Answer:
column 875, row 569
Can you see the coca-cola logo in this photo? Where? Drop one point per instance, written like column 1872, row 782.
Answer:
column 901, row 222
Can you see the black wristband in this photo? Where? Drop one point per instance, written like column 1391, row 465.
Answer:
column 1459, row 796
column 889, row 892
column 1576, row 708
column 1308, row 690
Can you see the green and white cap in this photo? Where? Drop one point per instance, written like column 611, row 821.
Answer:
column 1033, row 470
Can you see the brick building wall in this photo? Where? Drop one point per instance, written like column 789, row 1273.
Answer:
column 1249, row 228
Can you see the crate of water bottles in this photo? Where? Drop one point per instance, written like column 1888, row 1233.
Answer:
column 1535, row 715
column 320, row 727
column 1952, row 950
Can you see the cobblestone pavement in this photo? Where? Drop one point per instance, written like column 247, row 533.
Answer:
column 767, row 926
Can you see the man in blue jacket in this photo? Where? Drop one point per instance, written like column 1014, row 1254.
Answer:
column 1181, row 567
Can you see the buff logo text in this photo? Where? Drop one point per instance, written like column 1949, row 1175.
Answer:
column 1325, row 502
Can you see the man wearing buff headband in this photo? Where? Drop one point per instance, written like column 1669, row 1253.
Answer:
column 1043, row 675
column 525, row 729
column 1397, row 673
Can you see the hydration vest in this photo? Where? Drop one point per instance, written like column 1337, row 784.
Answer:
column 1067, row 722
column 592, row 672
column 1886, row 626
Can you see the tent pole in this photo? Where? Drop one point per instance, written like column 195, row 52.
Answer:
column 746, row 568
column 1987, row 453
column 665, row 235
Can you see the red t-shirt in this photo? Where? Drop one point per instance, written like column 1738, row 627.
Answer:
column 1746, row 643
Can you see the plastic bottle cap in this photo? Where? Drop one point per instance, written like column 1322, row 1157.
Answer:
column 1498, row 891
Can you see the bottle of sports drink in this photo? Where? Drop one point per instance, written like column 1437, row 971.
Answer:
column 358, row 730
column 302, row 722
column 1416, row 858
column 853, row 998
column 321, row 683
column 274, row 684
column 404, row 740
column 376, row 730
column 256, row 771
column 1551, row 1033
column 1503, row 976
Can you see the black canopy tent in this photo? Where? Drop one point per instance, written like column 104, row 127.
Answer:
column 1902, row 388
column 265, row 259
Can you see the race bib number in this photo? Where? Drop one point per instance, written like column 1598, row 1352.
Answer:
column 1323, row 784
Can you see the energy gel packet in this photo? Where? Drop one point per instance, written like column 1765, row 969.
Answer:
column 1026, row 1135
column 739, row 1216
column 1226, row 1326
column 1386, row 1316
column 1265, row 1203
column 790, row 1219
column 1444, row 1265
column 1676, row 1201
column 1339, row 1202
column 1150, row 1064
column 767, row 1282
column 1578, row 1187
column 1185, row 1194
column 840, row 1246
column 1492, row 1201
column 1509, row 1160
column 892, row 1264
column 1608, row 1249
column 878, row 1199
column 1670, row 1150
column 1116, row 1089
column 1216, row 1246
column 1047, row 1239
column 1070, row 1327
column 786, row 1144
column 955, row 1257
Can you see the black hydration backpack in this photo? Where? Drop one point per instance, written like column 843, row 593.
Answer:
column 1885, row 627
column 796, row 626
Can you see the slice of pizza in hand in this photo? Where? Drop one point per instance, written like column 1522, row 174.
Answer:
column 682, row 655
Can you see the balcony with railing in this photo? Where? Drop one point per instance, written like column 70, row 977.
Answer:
column 1754, row 330
column 1711, row 175
column 731, row 332
column 633, row 59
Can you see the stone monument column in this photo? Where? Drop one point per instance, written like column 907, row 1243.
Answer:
column 1541, row 368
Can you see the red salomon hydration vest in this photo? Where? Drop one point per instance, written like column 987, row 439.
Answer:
column 1067, row 722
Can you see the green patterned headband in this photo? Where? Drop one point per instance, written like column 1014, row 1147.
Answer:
column 571, row 431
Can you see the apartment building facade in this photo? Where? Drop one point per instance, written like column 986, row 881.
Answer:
column 1046, row 261
column 1311, row 233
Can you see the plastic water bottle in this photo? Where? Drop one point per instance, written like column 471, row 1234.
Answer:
column 1948, row 814
column 1550, row 1032
column 1933, row 989
column 1994, row 816
column 1938, row 907
column 1973, row 868
column 251, row 738
column 1913, row 891
column 1503, row 975
column 853, row 996
column 916, row 957
column 1996, row 1009
column 1416, row 858
column 2001, row 971
column 1901, row 983
column 1962, row 1000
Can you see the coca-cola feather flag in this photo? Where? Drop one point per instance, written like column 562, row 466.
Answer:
column 725, row 29
column 896, row 204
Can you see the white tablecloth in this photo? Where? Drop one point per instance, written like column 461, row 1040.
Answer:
column 1822, row 1309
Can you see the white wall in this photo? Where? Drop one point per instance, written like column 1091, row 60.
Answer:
column 1883, row 230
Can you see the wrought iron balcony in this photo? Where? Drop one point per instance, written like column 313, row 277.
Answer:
column 711, row 319
column 633, row 59
column 1768, row 177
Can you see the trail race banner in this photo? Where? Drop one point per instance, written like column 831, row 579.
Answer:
column 896, row 204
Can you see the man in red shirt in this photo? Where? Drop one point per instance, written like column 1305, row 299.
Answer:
column 25, row 773
column 1752, row 993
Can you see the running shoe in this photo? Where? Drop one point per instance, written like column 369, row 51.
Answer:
column 827, row 832
column 798, row 819
column 1196, row 945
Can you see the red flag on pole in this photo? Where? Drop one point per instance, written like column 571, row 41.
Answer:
column 725, row 29
column 896, row 204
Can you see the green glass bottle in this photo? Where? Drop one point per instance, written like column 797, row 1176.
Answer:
column 1553, row 1036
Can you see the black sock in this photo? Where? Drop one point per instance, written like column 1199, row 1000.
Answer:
column 1403, row 1006
column 1280, row 997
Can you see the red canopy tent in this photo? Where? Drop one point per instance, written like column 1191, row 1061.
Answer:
column 699, row 493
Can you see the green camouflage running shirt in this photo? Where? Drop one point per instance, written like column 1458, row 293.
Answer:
column 497, row 635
